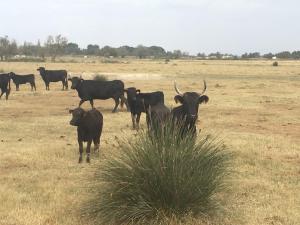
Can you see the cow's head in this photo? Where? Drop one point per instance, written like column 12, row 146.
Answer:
column 77, row 115
column 41, row 69
column 12, row 75
column 190, row 101
column 76, row 81
column 132, row 93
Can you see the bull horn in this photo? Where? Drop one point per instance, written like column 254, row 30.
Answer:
column 204, row 88
column 176, row 89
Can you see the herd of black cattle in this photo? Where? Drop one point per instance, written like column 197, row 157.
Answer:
column 89, row 123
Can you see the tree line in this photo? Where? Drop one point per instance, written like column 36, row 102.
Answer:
column 59, row 45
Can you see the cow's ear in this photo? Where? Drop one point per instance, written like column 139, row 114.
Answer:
column 203, row 99
column 71, row 111
column 138, row 91
column 178, row 98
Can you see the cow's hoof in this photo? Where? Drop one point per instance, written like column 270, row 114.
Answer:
column 80, row 160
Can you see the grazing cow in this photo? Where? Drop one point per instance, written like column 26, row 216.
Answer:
column 139, row 102
column 187, row 114
column 89, row 128
column 88, row 90
column 54, row 76
column 5, row 85
column 23, row 79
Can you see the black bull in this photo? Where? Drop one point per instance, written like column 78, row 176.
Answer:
column 187, row 114
column 54, row 76
column 5, row 85
column 141, row 102
column 88, row 90
column 23, row 79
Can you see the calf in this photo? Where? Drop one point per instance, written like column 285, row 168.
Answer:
column 157, row 116
column 139, row 102
column 186, row 115
column 88, row 90
column 54, row 76
column 23, row 79
column 89, row 128
column 5, row 85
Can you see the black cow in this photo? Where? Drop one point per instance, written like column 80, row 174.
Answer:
column 23, row 79
column 89, row 128
column 187, row 114
column 5, row 85
column 54, row 76
column 139, row 102
column 88, row 90
column 157, row 116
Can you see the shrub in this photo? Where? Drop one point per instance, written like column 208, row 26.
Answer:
column 157, row 176
column 275, row 63
column 100, row 77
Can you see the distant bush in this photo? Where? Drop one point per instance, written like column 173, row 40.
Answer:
column 100, row 77
column 275, row 63
column 157, row 176
column 167, row 61
column 27, row 59
column 110, row 61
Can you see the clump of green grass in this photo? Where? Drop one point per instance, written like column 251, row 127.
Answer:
column 100, row 77
column 275, row 63
column 159, row 175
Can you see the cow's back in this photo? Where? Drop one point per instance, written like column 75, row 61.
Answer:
column 91, row 125
column 100, row 89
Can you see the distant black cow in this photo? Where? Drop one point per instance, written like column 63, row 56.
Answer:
column 23, row 79
column 187, row 114
column 139, row 102
column 88, row 90
column 5, row 85
column 54, row 76
column 89, row 128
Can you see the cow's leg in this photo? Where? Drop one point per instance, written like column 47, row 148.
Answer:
column 133, row 120
column 2, row 92
column 81, row 102
column 7, row 94
column 96, row 141
column 63, row 84
column 33, row 84
column 80, row 150
column 88, row 151
column 66, row 84
column 138, row 117
column 92, row 103
column 17, row 87
column 117, row 101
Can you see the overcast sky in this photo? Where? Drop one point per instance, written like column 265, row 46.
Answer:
column 228, row 26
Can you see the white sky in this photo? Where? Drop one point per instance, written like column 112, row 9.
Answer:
column 228, row 26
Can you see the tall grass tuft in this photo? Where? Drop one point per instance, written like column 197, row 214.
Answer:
column 159, row 175
column 100, row 77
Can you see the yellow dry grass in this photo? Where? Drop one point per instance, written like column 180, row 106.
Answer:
column 253, row 106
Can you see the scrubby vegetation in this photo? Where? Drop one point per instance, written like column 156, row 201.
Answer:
column 157, row 176
column 100, row 77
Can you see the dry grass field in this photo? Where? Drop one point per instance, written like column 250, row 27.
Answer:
column 253, row 106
